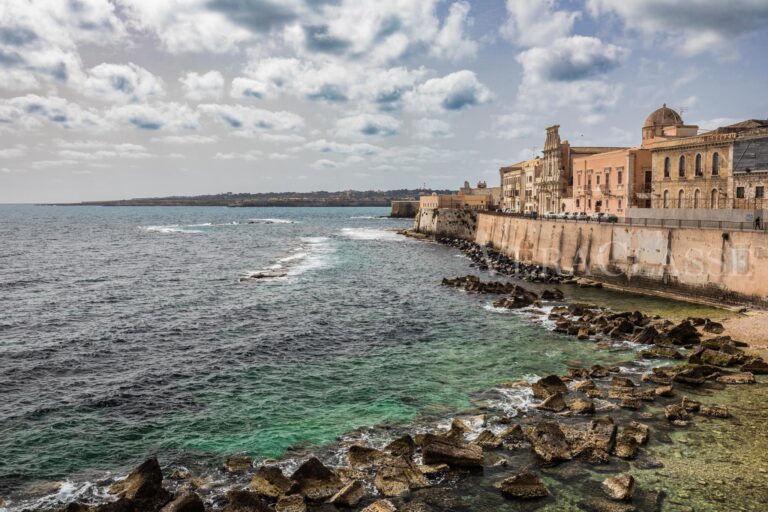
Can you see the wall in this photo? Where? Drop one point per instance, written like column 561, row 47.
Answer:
column 404, row 209
column 726, row 266
column 695, row 214
column 447, row 222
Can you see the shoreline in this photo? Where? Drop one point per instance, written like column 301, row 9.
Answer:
column 241, row 469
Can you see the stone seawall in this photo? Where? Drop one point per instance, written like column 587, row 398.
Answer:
column 729, row 266
column 447, row 222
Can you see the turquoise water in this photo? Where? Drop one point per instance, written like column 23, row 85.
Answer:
column 126, row 332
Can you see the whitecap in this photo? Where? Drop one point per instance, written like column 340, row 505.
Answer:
column 370, row 234
column 173, row 228
column 270, row 221
column 312, row 253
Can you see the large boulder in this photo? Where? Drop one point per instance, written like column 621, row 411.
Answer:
column 736, row 378
column 523, row 486
column 439, row 450
column 684, row 333
column 270, row 482
column 554, row 403
column 403, row 446
column 582, row 406
column 349, row 495
column 144, row 487
column 398, row 478
column 314, row 481
column 647, row 336
column 380, row 506
column 245, row 501
column 756, row 366
column 620, row 487
column 292, row 503
column 365, row 457
column 549, row 442
column 186, row 501
column 548, row 386
column 488, row 440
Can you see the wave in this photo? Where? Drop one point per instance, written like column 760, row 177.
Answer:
column 370, row 217
column 174, row 228
column 312, row 253
column 370, row 234
column 271, row 221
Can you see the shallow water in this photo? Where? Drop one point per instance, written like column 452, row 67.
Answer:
column 126, row 332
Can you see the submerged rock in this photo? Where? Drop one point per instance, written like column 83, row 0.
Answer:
column 620, row 487
column 737, row 378
column 715, row 411
column 523, row 486
column 238, row 463
column 605, row 505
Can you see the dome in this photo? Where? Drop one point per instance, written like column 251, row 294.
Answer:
column 663, row 117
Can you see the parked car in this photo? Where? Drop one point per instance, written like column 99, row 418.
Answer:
column 605, row 217
column 550, row 215
column 531, row 214
column 563, row 215
column 580, row 216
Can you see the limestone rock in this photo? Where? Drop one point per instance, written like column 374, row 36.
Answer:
column 314, row 481
column 349, row 495
column 245, row 501
column 684, row 333
column 647, row 336
column 554, row 403
column 582, row 406
column 437, row 450
column 399, row 478
column 605, row 505
column 626, row 445
column 292, row 503
column 434, row 469
column 737, row 378
column 676, row 412
column 664, row 391
column 523, row 486
column 620, row 487
column 548, row 386
column 715, row 411
column 756, row 367
column 144, row 486
column 238, row 463
column 270, row 482
column 488, row 440
column 380, row 506
column 365, row 457
column 403, row 446
column 186, row 501
column 549, row 442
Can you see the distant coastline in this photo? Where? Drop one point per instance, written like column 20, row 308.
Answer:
column 350, row 198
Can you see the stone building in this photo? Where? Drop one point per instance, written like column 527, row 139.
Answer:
column 518, row 182
column 482, row 188
column 554, row 188
column 456, row 201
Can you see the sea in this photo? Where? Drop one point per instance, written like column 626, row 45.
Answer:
column 127, row 332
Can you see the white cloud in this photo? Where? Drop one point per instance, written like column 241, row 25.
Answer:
column 367, row 125
column 155, row 116
column 186, row 139
column 123, row 83
column 691, row 27
column 250, row 155
column 360, row 149
column 571, row 58
column 512, row 126
column 208, row 86
column 451, row 41
column 30, row 110
column 431, row 129
column 249, row 119
column 107, row 151
column 536, row 22
column 14, row 152
column 453, row 92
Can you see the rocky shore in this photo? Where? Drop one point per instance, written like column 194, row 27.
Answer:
column 591, row 430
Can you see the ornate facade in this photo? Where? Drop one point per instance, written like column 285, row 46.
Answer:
column 518, row 182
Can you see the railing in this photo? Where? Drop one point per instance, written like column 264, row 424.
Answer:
column 722, row 203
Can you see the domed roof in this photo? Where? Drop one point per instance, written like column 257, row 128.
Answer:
column 663, row 117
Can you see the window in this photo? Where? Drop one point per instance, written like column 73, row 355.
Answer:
column 619, row 204
column 713, row 199
column 740, row 192
column 715, row 164
column 619, row 175
column 698, row 165
column 759, row 192
column 577, row 203
column 666, row 167
column 696, row 196
column 666, row 199
column 681, row 167
column 680, row 197
column 597, row 180
column 578, row 181
column 589, row 204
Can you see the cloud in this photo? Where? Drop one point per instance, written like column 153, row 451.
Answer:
column 250, row 155
column 208, row 86
column 155, row 116
column 431, row 129
column 571, row 58
column 360, row 149
column 104, row 151
column 512, row 126
column 15, row 152
column 368, row 125
column 123, row 83
column 186, row 139
column 453, row 92
column 451, row 41
column 30, row 110
column 249, row 119
column 536, row 22
column 691, row 27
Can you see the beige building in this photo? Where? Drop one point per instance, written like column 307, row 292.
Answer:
column 456, row 201
column 518, row 185
column 482, row 188
column 611, row 182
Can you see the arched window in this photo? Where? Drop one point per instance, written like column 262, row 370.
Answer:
column 681, row 167
column 680, row 196
column 698, row 165
column 713, row 198
column 666, row 167
column 715, row 164
column 696, row 197
column 666, row 198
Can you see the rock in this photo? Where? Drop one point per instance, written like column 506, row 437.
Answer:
column 348, row 474
column 647, row 336
column 605, row 505
column 554, row 403
column 514, row 433
column 584, row 385
column 314, row 481
column 438, row 450
column 185, row 501
column 144, row 486
column 626, row 445
column 676, row 412
column 552, row 294
column 694, row 376
column 403, row 446
column 245, row 501
column 601, row 433
column 582, row 406
column 349, row 495
column 380, row 506
column 548, row 386
column 365, row 457
column 684, row 333
column 713, row 357
column 638, row 431
column 399, row 478
column 292, row 503
column 238, row 463
column 622, row 382
column 620, row 487
column 599, row 372
column 523, row 486
column 631, row 403
column 715, row 411
column 690, row 405
column 737, row 378
column 623, row 328
column 434, row 470
column 661, row 352
column 488, row 440
column 664, row 391
column 714, row 327
column 756, row 366
column 549, row 442
column 270, row 482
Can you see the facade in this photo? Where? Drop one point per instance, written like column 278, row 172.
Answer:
column 456, row 201
column 482, row 188
column 611, row 182
column 518, row 185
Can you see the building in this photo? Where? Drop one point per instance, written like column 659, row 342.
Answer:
column 482, row 189
column 456, row 201
column 518, row 185
column 554, row 188
column 611, row 182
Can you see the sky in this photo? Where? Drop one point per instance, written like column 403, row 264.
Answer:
column 113, row 99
